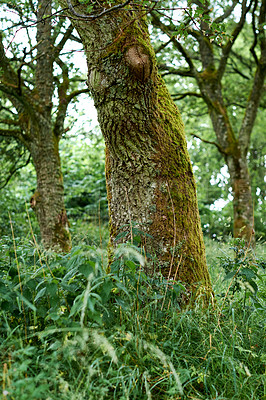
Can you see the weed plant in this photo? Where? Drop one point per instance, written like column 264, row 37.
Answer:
column 71, row 330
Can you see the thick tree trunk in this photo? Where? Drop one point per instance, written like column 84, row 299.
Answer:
column 48, row 200
column 149, row 175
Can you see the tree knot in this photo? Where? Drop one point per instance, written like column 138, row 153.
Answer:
column 139, row 62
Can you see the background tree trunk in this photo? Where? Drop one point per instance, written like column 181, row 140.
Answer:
column 208, row 66
column 48, row 200
column 234, row 155
column 148, row 170
column 39, row 134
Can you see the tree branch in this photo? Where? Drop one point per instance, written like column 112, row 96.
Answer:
column 75, row 93
column 8, row 121
column 254, row 44
column 174, row 71
column 163, row 46
column 13, row 171
column 228, row 46
column 209, row 142
column 183, row 95
column 15, row 133
column 257, row 88
column 63, row 41
column 96, row 16
column 165, row 29
column 227, row 12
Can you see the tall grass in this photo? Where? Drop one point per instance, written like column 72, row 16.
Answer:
column 75, row 331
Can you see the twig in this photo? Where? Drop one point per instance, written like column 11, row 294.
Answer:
column 209, row 142
column 96, row 16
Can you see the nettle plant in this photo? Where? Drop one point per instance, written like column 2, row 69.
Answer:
column 246, row 273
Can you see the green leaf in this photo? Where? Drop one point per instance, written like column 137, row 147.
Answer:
column 106, row 290
column 26, row 301
column 248, row 273
column 87, row 269
column 40, row 294
column 230, row 275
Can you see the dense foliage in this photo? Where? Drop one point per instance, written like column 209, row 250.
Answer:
column 72, row 330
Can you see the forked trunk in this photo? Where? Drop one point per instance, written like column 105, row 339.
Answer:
column 149, row 175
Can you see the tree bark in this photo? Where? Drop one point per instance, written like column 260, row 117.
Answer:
column 48, row 200
column 40, row 135
column 148, row 171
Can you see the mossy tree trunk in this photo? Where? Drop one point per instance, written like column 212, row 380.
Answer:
column 39, row 133
column 149, row 175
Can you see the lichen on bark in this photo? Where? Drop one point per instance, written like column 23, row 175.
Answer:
column 148, row 171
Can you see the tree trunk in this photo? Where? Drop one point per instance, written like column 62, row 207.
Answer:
column 149, row 175
column 242, row 201
column 40, row 135
column 234, row 155
column 209, row 77
column 48, row 200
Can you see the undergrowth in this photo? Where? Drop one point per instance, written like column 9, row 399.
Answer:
column 71, row 331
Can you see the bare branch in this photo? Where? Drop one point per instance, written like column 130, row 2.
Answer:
column 174, row 71
column 96, row 16
column 227, row 12
column 165, row 29
column 16, row 133
column 63, row 41
column 75, row 93
column 13, row 171
column 8, row 121
column 254, row 44
column 209, row 142
column 179, row 96
column 228, row 46
column 163, row 46
column 257, row 88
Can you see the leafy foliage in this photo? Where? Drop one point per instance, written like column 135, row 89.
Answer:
column 72, row 330
column 244, row 270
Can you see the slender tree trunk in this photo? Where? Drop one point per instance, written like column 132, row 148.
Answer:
column 242, row 202
column 149, row 175
column 234, row 155
column 209, row 79
column 40, row 135
column 48, row 200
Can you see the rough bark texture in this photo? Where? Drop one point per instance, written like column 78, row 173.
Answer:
column 40, row 135
column 48, row 200
column 148, row 170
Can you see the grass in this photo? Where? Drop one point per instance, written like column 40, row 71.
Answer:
column 71, row 331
